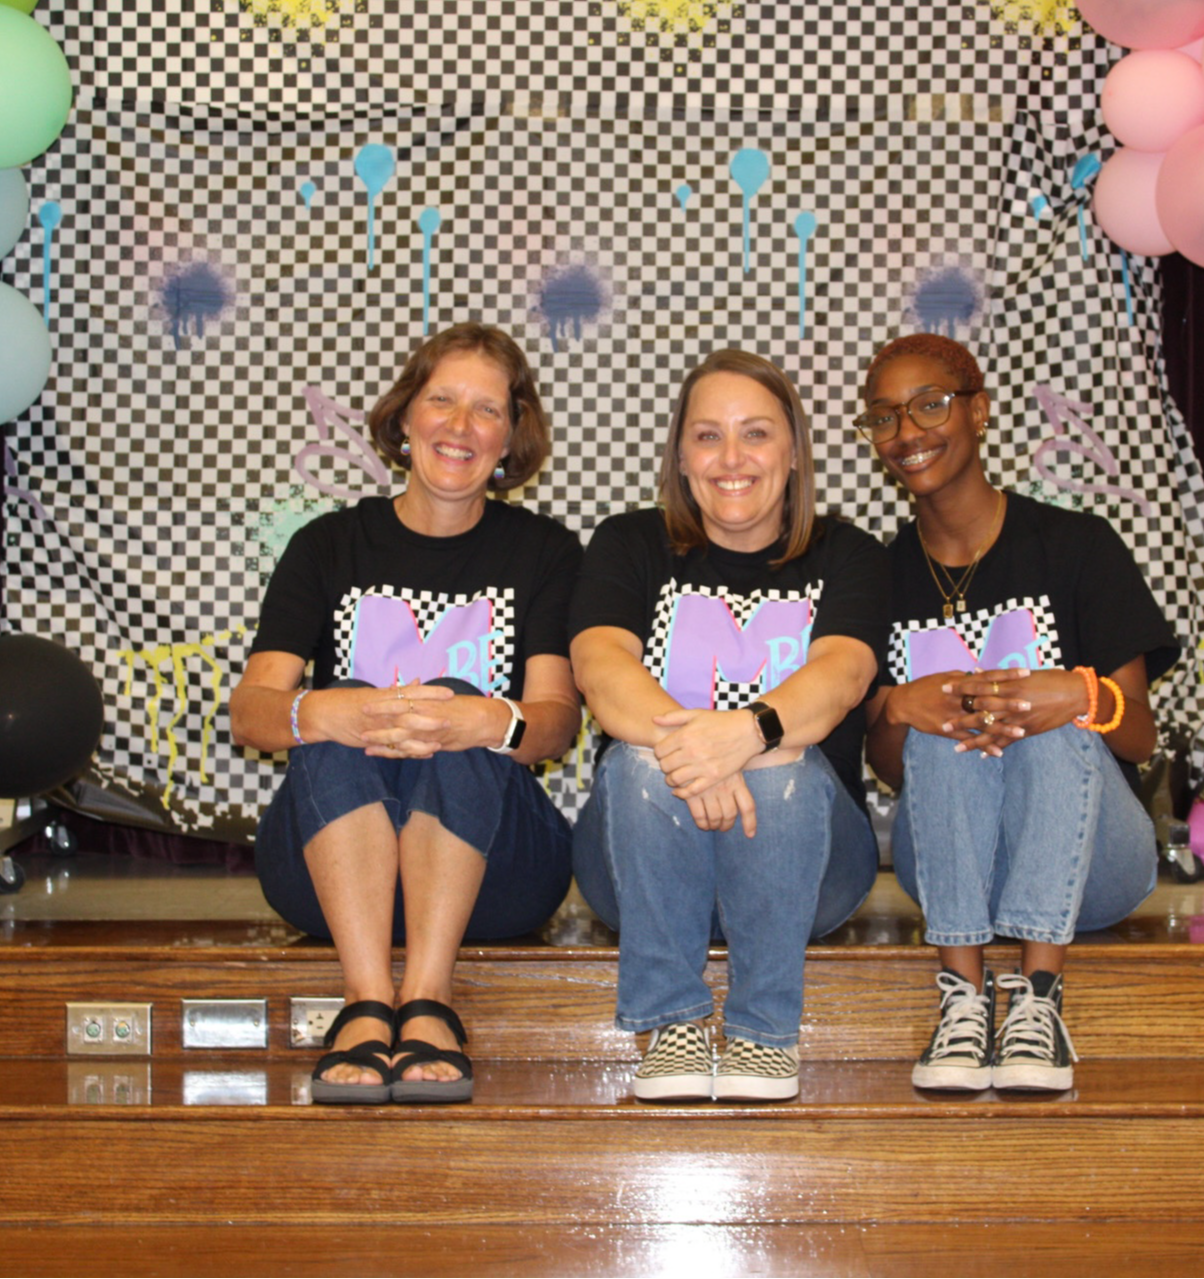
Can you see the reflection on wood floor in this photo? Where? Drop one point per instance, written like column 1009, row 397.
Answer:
column 190, row 1160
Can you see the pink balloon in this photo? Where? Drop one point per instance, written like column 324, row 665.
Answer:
column 1179, row 195
column 1124, row 202
column 1151, row 99
column 1145, row 24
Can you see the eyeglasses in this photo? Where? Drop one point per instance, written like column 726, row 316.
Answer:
column 927, row 410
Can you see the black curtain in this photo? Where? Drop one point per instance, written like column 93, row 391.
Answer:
column 1183, row 340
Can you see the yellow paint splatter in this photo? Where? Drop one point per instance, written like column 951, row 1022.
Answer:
column 1037, row 17
column 671, row 15
column 291, row 13
column 177, row 655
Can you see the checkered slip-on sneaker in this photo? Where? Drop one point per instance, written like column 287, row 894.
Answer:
column 756, row 1072
column 959, row 1053
column 677, row 1066
column 1034, row 1050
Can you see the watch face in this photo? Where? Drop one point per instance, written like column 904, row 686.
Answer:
column 768, row 724
column 515, row 737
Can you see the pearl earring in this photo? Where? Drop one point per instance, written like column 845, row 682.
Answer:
column 405, row 446
column 499, row 472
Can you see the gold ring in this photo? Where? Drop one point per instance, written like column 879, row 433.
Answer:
column 995, row 688
column 987, row 718
column 410, row 703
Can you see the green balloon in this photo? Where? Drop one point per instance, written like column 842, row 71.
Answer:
column 25, row 6
column 35, row 89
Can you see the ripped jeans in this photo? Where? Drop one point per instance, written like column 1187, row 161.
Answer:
column 646, row 869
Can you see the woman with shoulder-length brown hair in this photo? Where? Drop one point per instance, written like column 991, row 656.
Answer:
column 435, row 622
column 725, row 646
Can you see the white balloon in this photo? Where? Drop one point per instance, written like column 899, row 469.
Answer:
column 14, row 208
column 24, row 353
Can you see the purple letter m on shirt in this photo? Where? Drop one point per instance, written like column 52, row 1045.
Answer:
column 387, row 639
column 707, row 644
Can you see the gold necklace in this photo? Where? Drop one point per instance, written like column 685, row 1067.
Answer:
column 957, row 590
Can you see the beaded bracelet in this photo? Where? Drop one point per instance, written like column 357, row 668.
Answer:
column 292, row 717
column 1118, row 714
column 1087, row 719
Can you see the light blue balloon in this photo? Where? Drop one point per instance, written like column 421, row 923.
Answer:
column 14, row 208
column 24, row 353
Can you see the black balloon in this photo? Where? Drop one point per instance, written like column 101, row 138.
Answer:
column 51, row 715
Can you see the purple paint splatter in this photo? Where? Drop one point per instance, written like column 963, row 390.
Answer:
column 570, row 297
column 193, row 294
column 945, row 299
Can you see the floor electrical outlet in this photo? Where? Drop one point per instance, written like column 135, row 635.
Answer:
column 109, row 1030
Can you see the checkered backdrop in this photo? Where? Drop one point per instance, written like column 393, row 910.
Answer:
column 222, row 315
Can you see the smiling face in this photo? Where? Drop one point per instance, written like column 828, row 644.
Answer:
column 925, row 462
column 458, row 426
column 736, row 454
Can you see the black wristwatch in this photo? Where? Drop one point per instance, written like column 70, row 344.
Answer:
column 768, row 725
column 514, row 734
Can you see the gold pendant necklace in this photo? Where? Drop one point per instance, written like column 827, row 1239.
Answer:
column 957, row 590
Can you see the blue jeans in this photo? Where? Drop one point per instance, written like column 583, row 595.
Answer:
column 485, row 799
column 646, row 869
column 1034, row 845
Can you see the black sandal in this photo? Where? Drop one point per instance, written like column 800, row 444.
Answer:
column 363, row 1055
column 418, row 1052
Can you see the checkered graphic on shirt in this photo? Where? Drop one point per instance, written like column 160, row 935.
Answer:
column 428, row 608
column 728, row 694
column 973, row 627
column 552, row 137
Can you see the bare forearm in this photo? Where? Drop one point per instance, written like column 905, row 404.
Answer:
column 620, row 692
column 814, row 700
column 884, row 741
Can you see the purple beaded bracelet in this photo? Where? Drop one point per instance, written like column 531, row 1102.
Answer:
column 292, row 717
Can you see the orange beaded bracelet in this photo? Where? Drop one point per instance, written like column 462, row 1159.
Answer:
column 1087, row 720
column 1118, row 714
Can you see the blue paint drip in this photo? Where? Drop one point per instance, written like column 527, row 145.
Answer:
column 308, row 191
column 374, row 165
column 1085, row 168
column 195, row 293
column 49, row 215
column 750, row 171
column 946, row 298
column 1039, row 205
column 683, row 194
column 569, row 297
column 804, row 228
column 429, row 221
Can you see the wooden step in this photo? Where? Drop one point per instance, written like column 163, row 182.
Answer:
column 869, row 1248
column 568, row 1146
column 540, row 1002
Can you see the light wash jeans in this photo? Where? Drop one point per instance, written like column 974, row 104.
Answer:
column 668, row 887
column 1034, row 845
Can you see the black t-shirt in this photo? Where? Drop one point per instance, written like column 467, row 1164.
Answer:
column 1058, row 589
column 720, row 628
column 366, row 598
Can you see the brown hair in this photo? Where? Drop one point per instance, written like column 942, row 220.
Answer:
column 683, row 519
column 530, row 438
column 930, row 346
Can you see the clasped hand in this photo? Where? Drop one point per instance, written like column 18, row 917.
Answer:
column 1050, row 698
column 411, row 721
column 703, row 756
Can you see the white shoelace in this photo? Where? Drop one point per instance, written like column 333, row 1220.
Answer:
column 963, row 1018
column 1029, row 1028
